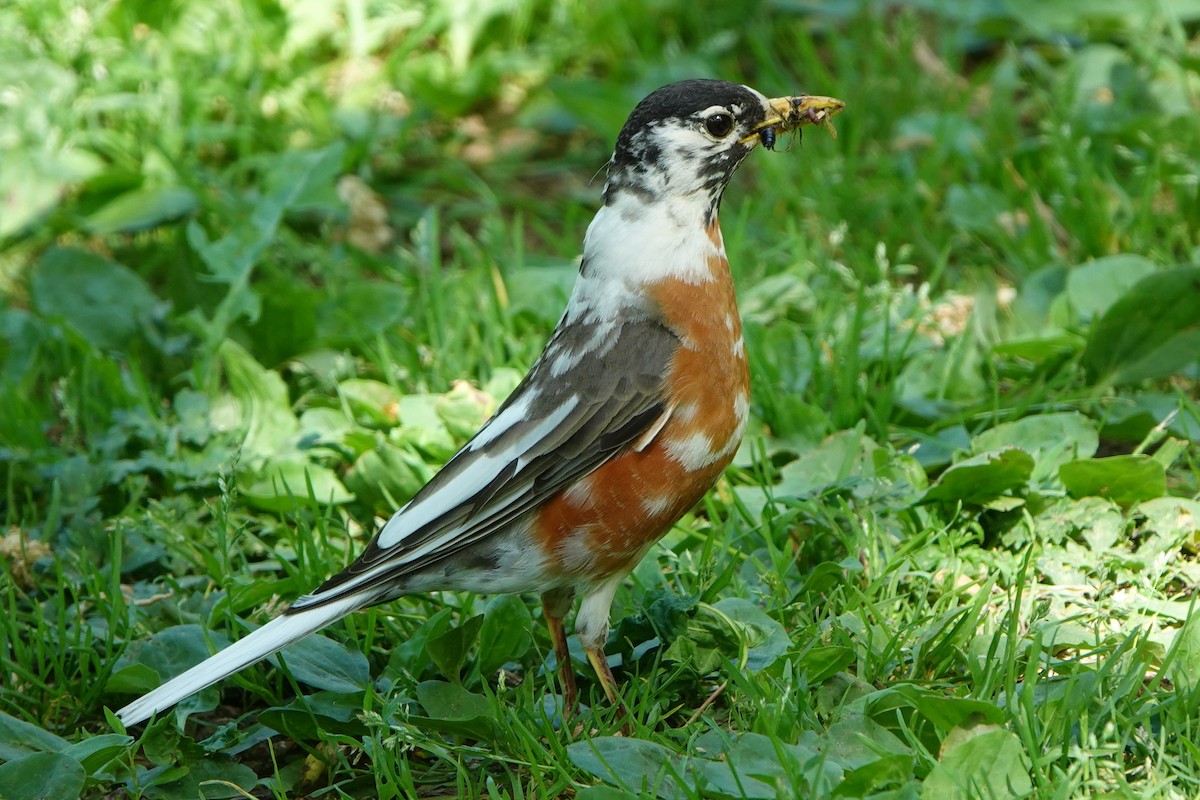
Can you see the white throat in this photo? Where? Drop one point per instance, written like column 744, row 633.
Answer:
column 634, row 243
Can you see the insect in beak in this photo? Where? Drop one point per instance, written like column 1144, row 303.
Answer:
column 767, row 137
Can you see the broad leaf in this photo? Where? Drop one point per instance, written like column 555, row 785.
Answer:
column 1052, row 440
column 325, row 664
column 1095, row 286
column 173, row 650
column 257, row 404
column 101, row 300
column 943, row 710
column 214, row 778
column 42, row 776
column 505, row 634
column 1150, row 333
column 635, row 765
column 1123, row 479
column 19, row 738
column 96, row 751
column 141, row 209
column 283, row 484
column 449, row 650
column 450, row 708
column 982, row 478
column 976, row 208
column 765, row 638
column 984, row 761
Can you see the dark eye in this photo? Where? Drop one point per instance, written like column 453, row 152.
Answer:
column 719, row 125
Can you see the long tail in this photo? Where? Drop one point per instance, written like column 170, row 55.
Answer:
column 270, row 638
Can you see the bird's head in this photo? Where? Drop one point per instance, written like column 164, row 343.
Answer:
column 686, row 139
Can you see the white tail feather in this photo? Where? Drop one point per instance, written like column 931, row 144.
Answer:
column 270, row 638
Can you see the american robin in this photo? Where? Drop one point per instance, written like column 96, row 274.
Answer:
column 627, row 418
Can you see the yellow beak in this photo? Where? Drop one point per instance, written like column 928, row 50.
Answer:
column 789, row 113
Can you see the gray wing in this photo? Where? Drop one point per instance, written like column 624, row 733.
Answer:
column 594, row 391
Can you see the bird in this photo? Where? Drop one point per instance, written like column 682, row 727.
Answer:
column 628, row 417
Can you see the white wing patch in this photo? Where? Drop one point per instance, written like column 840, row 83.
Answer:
column 504, row 420
column 481, row 470
column 652, row 432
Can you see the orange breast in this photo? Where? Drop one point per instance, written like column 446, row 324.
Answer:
column 605, row 524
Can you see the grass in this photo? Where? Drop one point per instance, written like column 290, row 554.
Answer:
column 245, row 274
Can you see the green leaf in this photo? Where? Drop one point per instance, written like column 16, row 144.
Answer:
column 1094, row 287
column 759, row 767
column 96, row 751
column 634, row 765
column 951, row 131
column 173, row 650
column 1123, row 479
column 663, row 615
column 161, row 776
column 290, row 176
column 1133, row 416
column 734, row 778
column 132, row 679
column 449, row 649
column 841, row 457
column 1095, row 519
column 373, row 403
column 976, row 208
column 19, row 738
column 983, row 761
column 257, row 405
column 42, row 776
column 541, row 290
column 141, row 209
column 1152, row 332
column 821, row 663
column 712, row 640
column 411, row 655
column 325, row 664
column 231, row 259
column 452, row 709
column 938, row 448
column 764, row 638
column 944, row 711
column 464, row 409
column 212, row 778
column 1052, row 440
column 421, row 427
column 1038, row 348
column 887, row 771
column 449, row 701
column 982, row 478
column 1047, row 19
column 1170, row 523
column 387, row 475
column 32, row 187
column 359, row 312
column 604, row 793
column 856, row 742
column 106, row 303
column 317, row 715
column 284, row 484
column 505, row 634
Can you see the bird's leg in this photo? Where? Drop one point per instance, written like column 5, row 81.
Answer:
column 608, row 681
column 599, row 662
column 555, row 605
